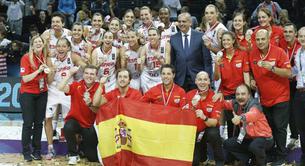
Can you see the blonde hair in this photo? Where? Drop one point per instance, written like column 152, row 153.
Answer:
column 216, row 10
column 31, row 54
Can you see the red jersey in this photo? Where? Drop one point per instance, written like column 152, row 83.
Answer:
column 273, row 89
column 242, row 43
column 131, row 94
column 290, row 51
column 79, row 110
column 231, row 71
column 210, row 109
column 157, row 95
column 26, row 69
column 277, row 35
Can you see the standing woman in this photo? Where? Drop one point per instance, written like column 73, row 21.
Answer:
column 107, row 59
column 213, row 29
column 33, row 97
column 265, row 19
column 233, row 70
column 213, row 24
column 80, row 47
column 127, row 26
column 94, row 32
column 130, row 58
column 114, row 27
column 239, row 27
column 154, row 54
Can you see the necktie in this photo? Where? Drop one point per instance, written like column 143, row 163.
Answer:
column 186, row 42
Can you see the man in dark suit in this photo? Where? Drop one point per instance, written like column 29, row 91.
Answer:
column 188, row 53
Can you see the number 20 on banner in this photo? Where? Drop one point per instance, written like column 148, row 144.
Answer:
column 9, row 96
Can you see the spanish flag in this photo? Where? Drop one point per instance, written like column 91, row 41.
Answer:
column 132, row 133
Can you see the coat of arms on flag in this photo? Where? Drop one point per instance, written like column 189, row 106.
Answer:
column 131, row 133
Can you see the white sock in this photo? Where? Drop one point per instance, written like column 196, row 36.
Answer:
column 50, row 146
column 54, row 124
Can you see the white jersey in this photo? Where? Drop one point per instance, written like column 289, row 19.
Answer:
column 211, row 34
column 151, row 72
column 53, row 40
column 108, row 66
column 143, row 30
column 132, row 66
column 62, row 68
column 55, row 96
column 94, row 35
column 167, row 33
column 78, row 48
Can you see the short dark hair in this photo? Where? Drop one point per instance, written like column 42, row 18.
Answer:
column 168, row 66
column 123, row 69
column 165, row 8
column 60, row 15
column 293, row 25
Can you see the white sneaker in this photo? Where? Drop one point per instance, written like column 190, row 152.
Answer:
column 73, row 160
column 294, row 143
column 51, row 154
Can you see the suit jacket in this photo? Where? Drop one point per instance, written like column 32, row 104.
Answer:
column 197, row 58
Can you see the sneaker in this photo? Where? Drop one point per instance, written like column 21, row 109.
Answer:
column 36, row 156
column 27, row 157
column 51, row 154
column 55, row 136
column 73, row 160
column 294, row 143
column 278, row 163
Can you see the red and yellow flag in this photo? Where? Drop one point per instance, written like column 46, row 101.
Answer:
column 139, row 134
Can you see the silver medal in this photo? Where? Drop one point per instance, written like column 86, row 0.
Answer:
column 86, row 95
column 46, row 70
column 260, row 63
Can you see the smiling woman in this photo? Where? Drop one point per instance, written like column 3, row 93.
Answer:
column 265, row 20
column 33, row 97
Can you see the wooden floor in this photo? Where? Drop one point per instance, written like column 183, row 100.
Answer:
column 17, row 160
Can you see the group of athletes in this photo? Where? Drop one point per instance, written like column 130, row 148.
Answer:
column 76, row 71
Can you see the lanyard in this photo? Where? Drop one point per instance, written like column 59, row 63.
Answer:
column 169, row 96
column 300, row 53
column 291, row 55
column 40, row 60
column 263, row 58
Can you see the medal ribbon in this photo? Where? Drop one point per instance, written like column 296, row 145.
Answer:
column 169, row 96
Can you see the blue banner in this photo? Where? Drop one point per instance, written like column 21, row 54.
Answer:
column 9, row 95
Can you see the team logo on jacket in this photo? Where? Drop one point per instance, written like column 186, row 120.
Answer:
column 122, row 135
column 238, row 65
column 209, row 109
column 177, row 100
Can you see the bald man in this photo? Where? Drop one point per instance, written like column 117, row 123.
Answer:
column 208, row 114
column 271, row 68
